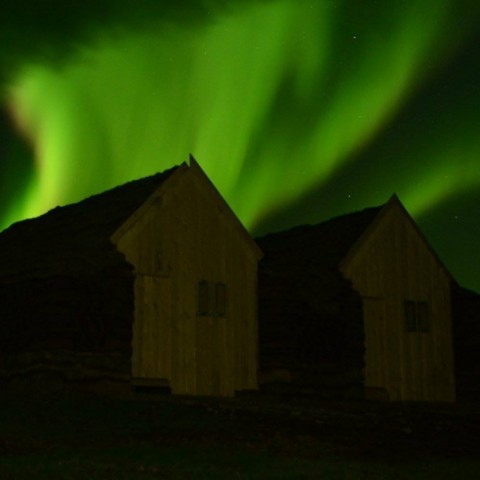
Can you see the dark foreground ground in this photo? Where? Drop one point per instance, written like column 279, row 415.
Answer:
column 55, row 433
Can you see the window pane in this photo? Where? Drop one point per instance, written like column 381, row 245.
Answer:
column 410, row 323
column 422, row 317
column 203, row 300
column 220, row 299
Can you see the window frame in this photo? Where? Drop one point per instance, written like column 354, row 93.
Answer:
column 410, row 316
column 416, row 316
column 423, row 317
column 211, row 299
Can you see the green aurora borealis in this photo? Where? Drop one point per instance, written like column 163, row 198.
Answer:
column 297, row 110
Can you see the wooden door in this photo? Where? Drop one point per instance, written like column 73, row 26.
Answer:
column 214, row 356
column 152, row 334
column 376, row 347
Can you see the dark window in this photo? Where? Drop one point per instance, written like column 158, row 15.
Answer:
column 416, row 316
column 211, row 299
column 410, row 317
column 422, row 317
column 220, row 299
column 203, row 298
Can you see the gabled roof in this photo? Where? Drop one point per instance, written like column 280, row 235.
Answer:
column 327, row 243
column 392, row 203
column 74, row 238
column 219, row 202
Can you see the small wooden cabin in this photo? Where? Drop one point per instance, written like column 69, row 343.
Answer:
column 153, row 283
column 361, row 299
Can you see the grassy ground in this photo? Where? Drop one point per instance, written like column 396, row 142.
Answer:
column 67, row 434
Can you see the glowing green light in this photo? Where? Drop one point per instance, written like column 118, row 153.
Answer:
column 263, row 96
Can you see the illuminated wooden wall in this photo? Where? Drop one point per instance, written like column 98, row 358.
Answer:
column 184, row 234
column 392, row 263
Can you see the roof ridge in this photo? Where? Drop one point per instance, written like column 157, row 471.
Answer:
column 324, row 243
column 42, row 239
column 308, row 226
column 105, row 194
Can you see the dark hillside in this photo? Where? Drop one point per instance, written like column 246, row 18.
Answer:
column 466, row 329
column 310, row 318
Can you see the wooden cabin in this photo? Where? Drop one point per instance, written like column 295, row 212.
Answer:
column 359, row 300
column 152, row 283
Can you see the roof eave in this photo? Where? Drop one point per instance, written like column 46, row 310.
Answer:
column 357, row 246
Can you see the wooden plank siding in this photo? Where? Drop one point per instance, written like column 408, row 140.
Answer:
column 188, row 234
column 390, row 264
column 152, row 332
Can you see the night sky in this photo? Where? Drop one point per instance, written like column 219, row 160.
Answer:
column 297, row 110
